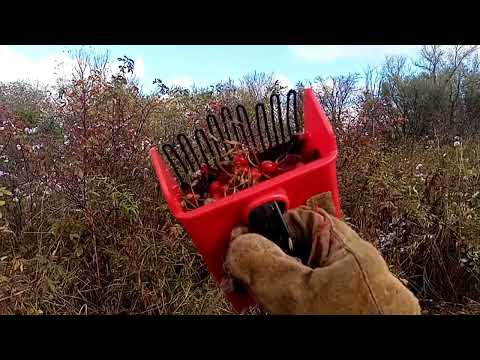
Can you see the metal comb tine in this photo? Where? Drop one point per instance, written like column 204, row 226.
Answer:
column 198, row 133
column 210, row 119
column 185, row 152
column 241, row 124
column 293, row 94
column 200, row 145
column 172, row 162
column 225, row 120
column 241, row 109
column 281, row 119
column 272, row 119
column 287, row 115
column 261, row 107
column 278, row 118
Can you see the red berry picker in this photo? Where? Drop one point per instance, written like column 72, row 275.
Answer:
column 248, row 170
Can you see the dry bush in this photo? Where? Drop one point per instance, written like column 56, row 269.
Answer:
column 438, row 94
column 419, row 205
column 84, row 230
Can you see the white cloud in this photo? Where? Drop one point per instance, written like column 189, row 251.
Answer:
column 184, row 81
column 15, row 66
column 329, row 53
column 283, row 80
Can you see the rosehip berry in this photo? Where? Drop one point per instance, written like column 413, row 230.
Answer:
column 240, row 161
column 268, row 167
column 214, row 187
column 217, row 189
column 255, row 174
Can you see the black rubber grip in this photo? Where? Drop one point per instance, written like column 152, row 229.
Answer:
column 267, row 220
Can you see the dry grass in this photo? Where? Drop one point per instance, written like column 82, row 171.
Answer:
column 424, row 219
column 419, row 205
column 155, row 272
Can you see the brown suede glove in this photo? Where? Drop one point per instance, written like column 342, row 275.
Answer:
column 343, row 274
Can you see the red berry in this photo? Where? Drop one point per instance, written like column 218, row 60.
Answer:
column 255, row 174
column 217, row 189
column 268, row 167
column 214, row 187
column 240, row 161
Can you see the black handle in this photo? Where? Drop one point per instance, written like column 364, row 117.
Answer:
column 267, row 220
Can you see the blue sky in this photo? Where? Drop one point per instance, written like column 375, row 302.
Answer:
column 205, row 65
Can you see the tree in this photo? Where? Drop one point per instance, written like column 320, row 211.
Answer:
column 337, row 94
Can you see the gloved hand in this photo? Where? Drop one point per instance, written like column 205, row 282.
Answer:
column 342, row 274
